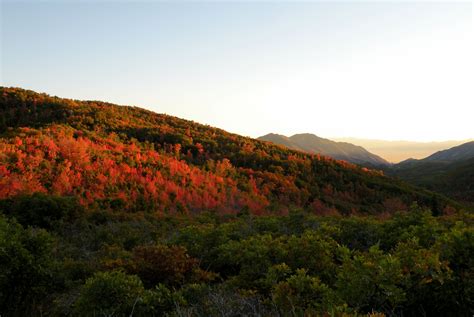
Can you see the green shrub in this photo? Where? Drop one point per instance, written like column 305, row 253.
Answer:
column 302, row 293
column 26, row 267
column 371, row 280
column 110, row 294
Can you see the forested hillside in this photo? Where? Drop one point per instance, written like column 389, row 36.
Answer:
column 136, row 159
column 450, row 172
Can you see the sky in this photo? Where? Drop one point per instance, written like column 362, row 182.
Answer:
column 381, row 70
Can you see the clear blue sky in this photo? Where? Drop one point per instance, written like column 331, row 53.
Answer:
column 375, row 70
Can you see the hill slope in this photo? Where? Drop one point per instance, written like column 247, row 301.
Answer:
column 338, row 150
column 450, row 172
column 129, row 158
column 458, row 153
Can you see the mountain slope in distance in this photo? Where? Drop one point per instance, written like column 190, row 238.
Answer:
column 398, row 151
column 458, row 153
column 338, row 150
column 450, row 172
column 281, row 140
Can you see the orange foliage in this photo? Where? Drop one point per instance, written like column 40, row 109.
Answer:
column 56, row 162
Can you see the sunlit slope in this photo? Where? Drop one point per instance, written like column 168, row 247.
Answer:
column 133, row 159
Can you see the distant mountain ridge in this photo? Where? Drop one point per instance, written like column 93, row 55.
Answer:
column 398, row 151
column 339, row 150
column 458, row 153
column 450, row 171
column 461, row 152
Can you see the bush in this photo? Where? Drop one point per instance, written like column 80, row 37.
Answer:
column 456, row 297
column 301, row 293
column 26, row 267
column 110, row 293
column 371, row 280
column 170, row 265
column 158, row 301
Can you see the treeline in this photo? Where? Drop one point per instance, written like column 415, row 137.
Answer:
column 58, row 259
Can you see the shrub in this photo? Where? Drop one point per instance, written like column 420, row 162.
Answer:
column 170, row 265
column 302, row 293
column 110, row 293
column 26, row 267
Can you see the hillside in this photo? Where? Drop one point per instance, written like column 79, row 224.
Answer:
column 450, row 172
column 338, row 150
column 458, row 153
column 129, row 158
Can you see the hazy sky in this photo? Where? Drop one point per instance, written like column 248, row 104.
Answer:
column 384, row 70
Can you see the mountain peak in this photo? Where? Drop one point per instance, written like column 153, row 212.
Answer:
column 312, row 143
